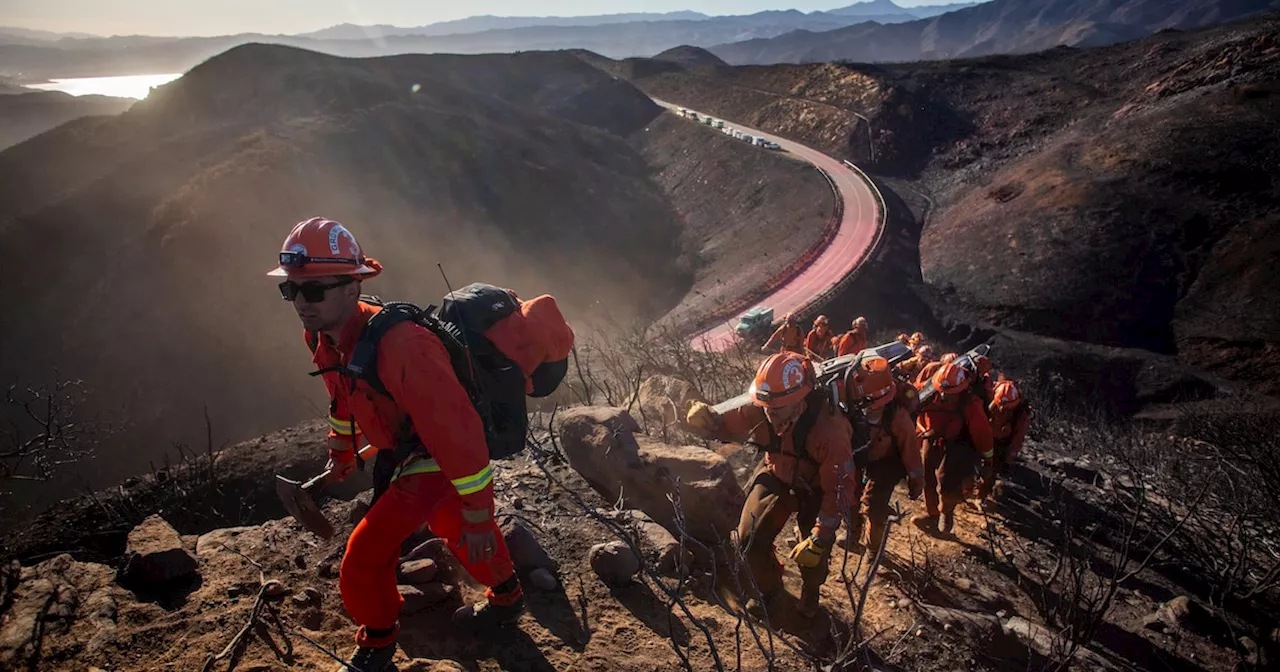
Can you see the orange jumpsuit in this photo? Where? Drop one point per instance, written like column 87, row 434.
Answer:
column 854, row 340
column 1008, row 430
column 956, row 433
column 817, row 487
column 894, row 454
column 912, row 366
column 922, row 378
column 819, row 343
column 450, row 489
column 790, row 337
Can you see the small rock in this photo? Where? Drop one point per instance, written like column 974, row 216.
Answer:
column 416, row 599
column 1171, row 615
column 300, row 561
column 518, row 504
column 919, row 632
column 329, row 569
column 357, row 511
column 301, row 600
column 946, row 627
column 963, row 584
column 418, row 572
column 234, row 591
column 313, row 619
column 275, row 590
column 543, row 580
column 614, row 562
column 1002, row 613
column 1251, row 653
column 905, row 603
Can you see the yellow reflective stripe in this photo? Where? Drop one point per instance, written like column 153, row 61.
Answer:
column 343, row 427
column 417, row 465
column 474, row 483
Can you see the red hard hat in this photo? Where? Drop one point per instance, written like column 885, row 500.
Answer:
column 870, row 385
column 782, row 380
column 1006, row 395
column 951, row 379
column 320, row 247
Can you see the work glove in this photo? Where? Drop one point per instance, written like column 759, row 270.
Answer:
column 808, row 553
column 478, row 535
column 701, row 416
column 915, row 487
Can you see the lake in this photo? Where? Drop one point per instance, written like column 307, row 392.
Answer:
column 125, row 86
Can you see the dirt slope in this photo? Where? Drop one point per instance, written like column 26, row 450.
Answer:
column 745, row 209
column 987, row 599
column 164, row 220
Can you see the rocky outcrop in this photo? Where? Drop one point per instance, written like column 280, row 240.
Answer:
column 155, row 557
column 603, row 446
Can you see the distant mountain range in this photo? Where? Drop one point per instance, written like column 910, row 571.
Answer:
column 860, row 32
column 996, row 27
column 884, row 11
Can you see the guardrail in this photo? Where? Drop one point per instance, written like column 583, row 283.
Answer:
column 787, row 274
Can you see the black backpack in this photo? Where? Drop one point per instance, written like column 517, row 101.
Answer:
column 494, row 383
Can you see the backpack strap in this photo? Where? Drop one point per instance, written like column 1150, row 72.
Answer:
column 800, row 433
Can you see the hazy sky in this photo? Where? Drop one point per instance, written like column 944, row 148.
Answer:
column 220, row 17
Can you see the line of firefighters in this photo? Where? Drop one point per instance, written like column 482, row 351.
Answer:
column 820, row 462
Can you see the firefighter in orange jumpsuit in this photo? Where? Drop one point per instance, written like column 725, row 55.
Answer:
column 985, row 386
column 449, row 488
column 911, row 367
column 854, row 340
column 956, row 434
column 1010, row 418
column 788, row 336
column 819, row 344
column 893, row 449
column 916, row 341
column 926, row 373
column 807, row 470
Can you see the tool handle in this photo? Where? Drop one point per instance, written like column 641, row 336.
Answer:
column 322, row 476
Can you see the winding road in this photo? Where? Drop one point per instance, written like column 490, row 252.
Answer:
column 853, row 243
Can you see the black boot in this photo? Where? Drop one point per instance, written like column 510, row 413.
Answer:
column 371, row 658
column 503, row 605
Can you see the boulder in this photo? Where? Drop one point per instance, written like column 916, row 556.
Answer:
column 614, row 562
column 55, row 598
column 155, row 556
column 601, row 444
column 526, row 553
column 418, row 598
column 216, row 540
column 418, row 572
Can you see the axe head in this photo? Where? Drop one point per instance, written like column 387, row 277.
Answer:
column 299, row 503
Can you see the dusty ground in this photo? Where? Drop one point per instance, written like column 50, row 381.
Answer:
column 984, row 600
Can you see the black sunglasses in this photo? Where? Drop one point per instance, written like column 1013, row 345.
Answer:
column 312, row 292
